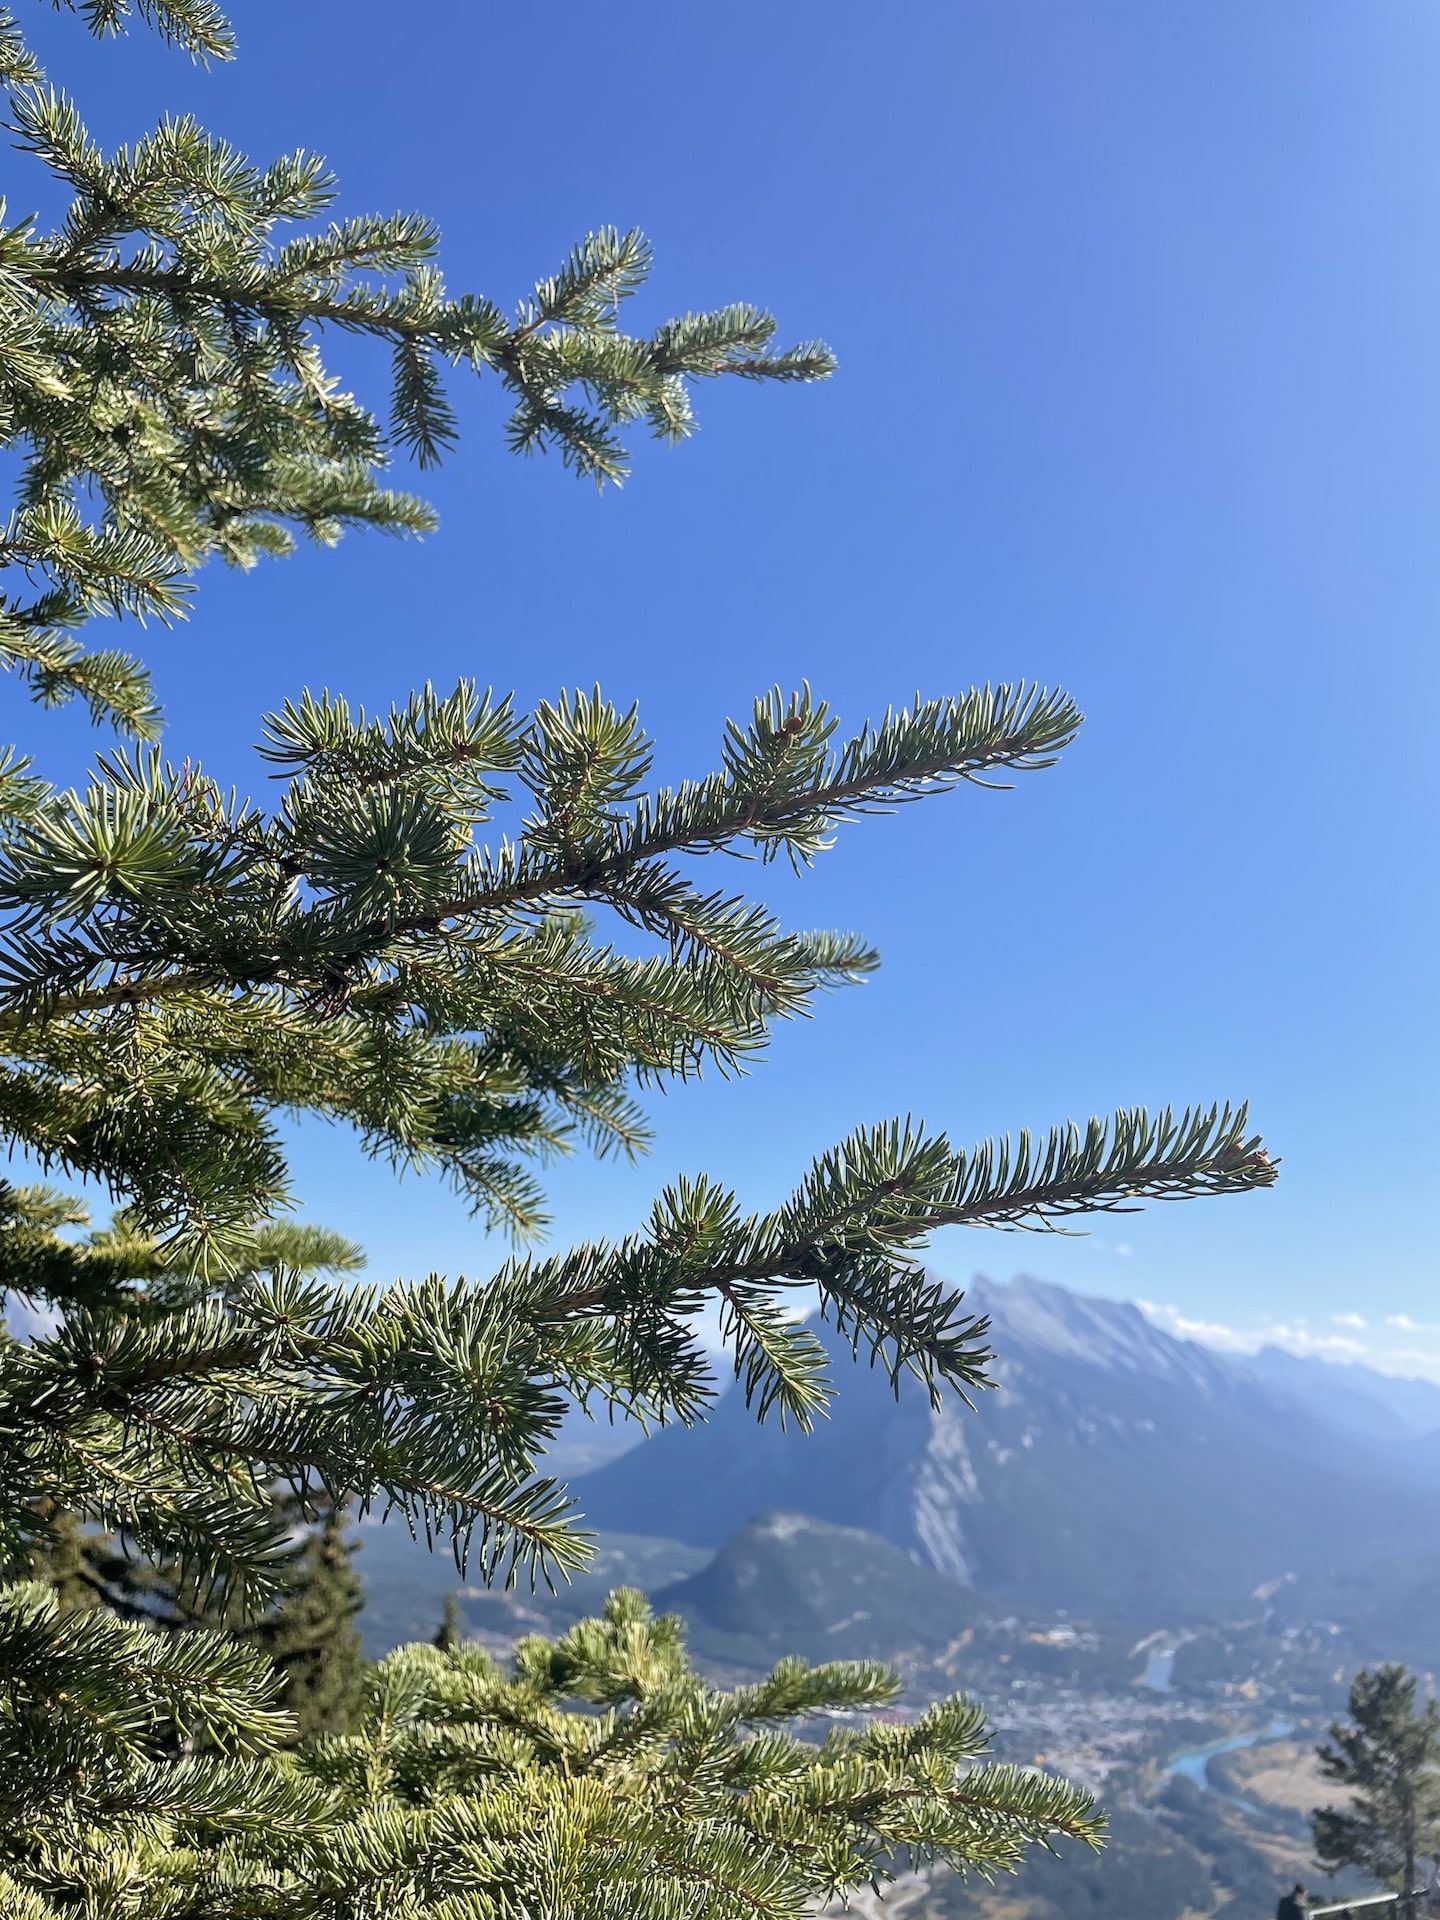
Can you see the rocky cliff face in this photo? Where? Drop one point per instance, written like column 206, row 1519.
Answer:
column 1113, row 1469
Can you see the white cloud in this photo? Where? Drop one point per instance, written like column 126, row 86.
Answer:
column 1410, row 1358
column 1210, row 1333
column 1296, row 1337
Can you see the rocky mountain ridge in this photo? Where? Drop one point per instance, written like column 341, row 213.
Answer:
column 1114, row 1469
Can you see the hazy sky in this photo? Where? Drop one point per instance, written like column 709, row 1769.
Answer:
column 1138, row 313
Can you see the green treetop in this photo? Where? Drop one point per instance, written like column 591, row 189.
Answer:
column 1386, row 1758
column 451, row 1631
column 311, row 1637
column 469, row 934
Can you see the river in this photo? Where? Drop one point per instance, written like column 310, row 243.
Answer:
column 1158, row 1668
column 1195, row 1765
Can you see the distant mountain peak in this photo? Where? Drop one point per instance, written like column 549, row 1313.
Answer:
column 1348, row 1394
column 1119, row 1470
column 1035, row 1315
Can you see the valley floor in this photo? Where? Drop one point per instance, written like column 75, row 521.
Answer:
column 1198, row 1741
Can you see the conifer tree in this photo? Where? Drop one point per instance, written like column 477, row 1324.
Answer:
column 450, row 1633
column 86, row 1566
column 179, row 967
column 603, row 1776
column 1387, row 1758
column 310, row 1635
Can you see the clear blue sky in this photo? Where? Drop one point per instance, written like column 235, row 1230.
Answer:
column 1138, row 314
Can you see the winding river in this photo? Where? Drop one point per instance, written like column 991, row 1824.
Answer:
column 1195, row 1765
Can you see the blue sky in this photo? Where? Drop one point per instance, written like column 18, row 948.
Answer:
column 1138, row 314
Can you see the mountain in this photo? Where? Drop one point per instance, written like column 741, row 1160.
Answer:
column 584, row 1443
column 790, row 1584
column 1115, row 1470
column 1354, row 1398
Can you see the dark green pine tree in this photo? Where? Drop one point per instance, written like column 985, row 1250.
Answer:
column 310, row 1635
column 450, row 1633
column 1386, row 1757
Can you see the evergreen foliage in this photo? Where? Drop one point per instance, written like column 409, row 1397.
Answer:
column 162, row 388
column 1387, row 1758
column 469, row 934
column 604, row 1776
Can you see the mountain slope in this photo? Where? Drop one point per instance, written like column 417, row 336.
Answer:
column 789, row 1584
column 1354, row 1398
column 1115, row 1470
